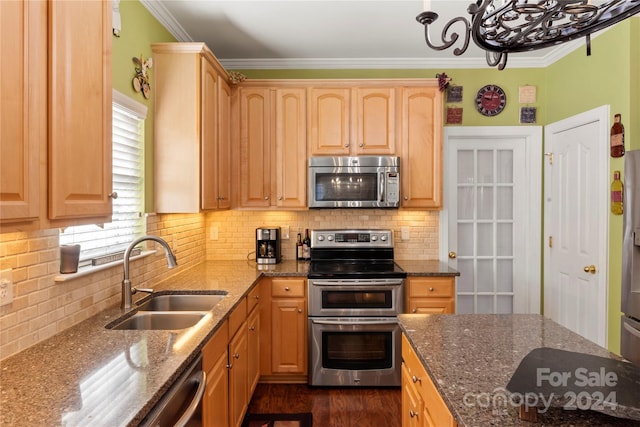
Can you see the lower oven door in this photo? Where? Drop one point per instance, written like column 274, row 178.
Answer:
column 354, row 351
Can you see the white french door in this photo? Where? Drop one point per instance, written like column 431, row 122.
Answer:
column 491, row 224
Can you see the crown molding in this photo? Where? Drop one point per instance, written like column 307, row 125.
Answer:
column 167, row 20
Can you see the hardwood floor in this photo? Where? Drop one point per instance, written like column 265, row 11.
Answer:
column 332, row 407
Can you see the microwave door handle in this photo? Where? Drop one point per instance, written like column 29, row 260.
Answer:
column 381, row 189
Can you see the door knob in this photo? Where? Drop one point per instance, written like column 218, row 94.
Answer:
column 452, row 255
column 590, row 269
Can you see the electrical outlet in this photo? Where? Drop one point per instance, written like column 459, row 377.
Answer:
column 6, row 287
column 285, row 232
column 404, row 232
column 213, row 233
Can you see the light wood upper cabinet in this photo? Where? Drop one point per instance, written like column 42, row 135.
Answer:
column 80, row 114
column 56, row 115
column 329, row 121
column 192, row 109
column 352, row 121
column 23, row 116
column 375, row 121
column 421, row 140
column 272, row 147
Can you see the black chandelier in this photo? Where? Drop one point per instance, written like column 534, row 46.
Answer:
column 503, row 26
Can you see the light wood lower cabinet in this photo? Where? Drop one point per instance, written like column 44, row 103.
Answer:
column 231, row 360
column 422, row 405
column 215, row 408
column 430, row 295
column 284, row 326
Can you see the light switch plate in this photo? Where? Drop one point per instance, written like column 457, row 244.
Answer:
column 213, row 233
column 6, row 287
column 285, row 232
column 404, row 233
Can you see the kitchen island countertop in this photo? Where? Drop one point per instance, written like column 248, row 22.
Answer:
column 471, row 358
column 90, row 375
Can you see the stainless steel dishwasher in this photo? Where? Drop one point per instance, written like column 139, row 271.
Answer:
column 181, row 406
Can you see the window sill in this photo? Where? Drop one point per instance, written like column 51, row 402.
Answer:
column 91, row 269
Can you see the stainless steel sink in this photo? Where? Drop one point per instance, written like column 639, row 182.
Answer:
column 182, row 302
column 150, row 320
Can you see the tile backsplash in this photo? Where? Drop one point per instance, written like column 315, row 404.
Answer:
column 43, row 307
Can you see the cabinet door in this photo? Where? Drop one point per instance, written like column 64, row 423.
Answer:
column 80, row 113
column 329, row 121
column 208, row 135
column 375, row 121
column 253, row 345
column 412, row 413
column 421, row 148
column 215, row 408
column 290, row 147
column 289, row 335
column 255, row 150
column 238, row 376
column 23, row 115
column 224, row 144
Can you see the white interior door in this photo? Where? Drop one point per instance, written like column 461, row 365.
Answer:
column 576, row 223
column 491, row 224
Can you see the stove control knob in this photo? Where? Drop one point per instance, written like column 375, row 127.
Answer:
column 374, row 238
column 320, row 238
column 383, row 237
column 330, row 238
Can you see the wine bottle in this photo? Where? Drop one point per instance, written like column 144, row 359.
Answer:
column 617, row 189
column 306, row 246
column 299, row 253
column 617, row 137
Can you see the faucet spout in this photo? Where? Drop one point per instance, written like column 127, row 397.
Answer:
column 127, row 290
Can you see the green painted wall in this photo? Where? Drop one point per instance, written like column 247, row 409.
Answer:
column 139, row 30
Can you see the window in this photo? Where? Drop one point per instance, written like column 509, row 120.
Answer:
column 128, row 181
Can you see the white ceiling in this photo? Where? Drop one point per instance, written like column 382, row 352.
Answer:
column 319, row 34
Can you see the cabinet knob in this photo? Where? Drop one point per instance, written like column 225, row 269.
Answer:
column 113, row 195
column 252, row 328
column 236, row 356
column 286, row 288
column 257, row 297
column 415, row 310
column 266, row 197
column 280, row 198
column 406, row 197
column 361, row 145
column 299, row 310
column 415, row 379
column 346, row 145
column 230, row 366
column 413, row 414
column 221, row 198
column 430, row 289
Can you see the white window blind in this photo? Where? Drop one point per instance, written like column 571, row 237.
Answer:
column 128, row 181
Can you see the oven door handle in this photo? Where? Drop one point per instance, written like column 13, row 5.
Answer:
column 358, row 283
column 346, row 321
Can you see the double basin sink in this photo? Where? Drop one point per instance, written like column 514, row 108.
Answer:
column 169, row 311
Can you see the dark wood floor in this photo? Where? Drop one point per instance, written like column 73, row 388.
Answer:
column 331, row 407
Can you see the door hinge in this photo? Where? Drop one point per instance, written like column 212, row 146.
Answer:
column 550, row 157
column 550, row 241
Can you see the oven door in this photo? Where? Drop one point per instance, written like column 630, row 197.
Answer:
column 354, row 352
column 367, row 297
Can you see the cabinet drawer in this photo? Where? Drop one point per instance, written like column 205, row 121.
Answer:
column 253, row 298
column 430, row 306
column 237, row 316
column 288, row 287
column 430, row 287
column 214, row 348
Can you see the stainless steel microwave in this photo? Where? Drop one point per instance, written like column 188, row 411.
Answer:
column 354, row 182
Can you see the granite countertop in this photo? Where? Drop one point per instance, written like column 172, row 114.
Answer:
column 433, row 268
column 89, row 375
column 471, row 359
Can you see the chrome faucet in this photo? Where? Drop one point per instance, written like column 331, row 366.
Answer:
column 127, row 290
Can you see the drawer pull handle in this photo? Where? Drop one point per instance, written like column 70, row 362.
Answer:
column 431, row 289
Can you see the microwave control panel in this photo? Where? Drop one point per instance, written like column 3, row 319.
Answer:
column 393, row 187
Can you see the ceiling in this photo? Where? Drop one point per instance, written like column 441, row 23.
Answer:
column 320, row 34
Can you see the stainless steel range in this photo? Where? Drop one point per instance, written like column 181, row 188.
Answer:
column 356, row 292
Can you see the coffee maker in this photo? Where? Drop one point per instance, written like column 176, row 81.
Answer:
column 268, row 245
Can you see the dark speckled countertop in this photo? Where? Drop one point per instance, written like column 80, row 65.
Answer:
column 471, row 358
column 89, row 375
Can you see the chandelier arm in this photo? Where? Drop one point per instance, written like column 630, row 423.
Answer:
column 448, row 37
column 498, row 59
